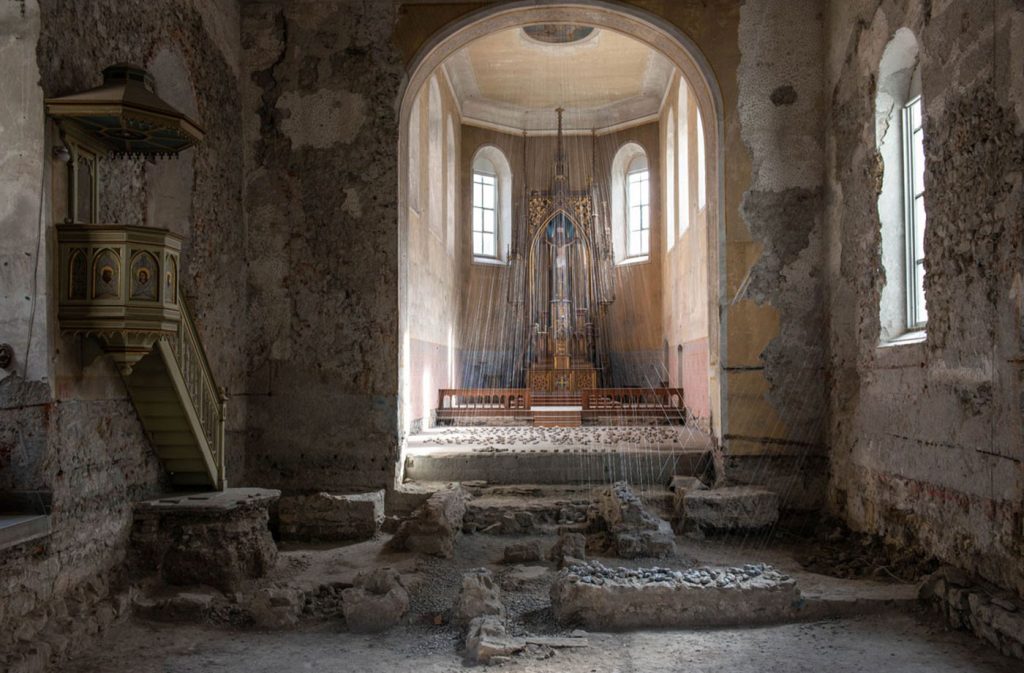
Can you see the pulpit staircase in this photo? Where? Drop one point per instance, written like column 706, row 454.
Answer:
column 181, row 407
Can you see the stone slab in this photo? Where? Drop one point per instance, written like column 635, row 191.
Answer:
column 730, row 508
column 607, row 599
column 331, row 517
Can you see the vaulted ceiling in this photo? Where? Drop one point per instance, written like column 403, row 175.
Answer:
column 509, row 79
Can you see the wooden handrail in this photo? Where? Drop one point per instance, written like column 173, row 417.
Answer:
column 209, row 400
column 483, row 398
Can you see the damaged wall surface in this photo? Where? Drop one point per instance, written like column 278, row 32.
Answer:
column 319, row 94
column 67, row 428
column 927, row 445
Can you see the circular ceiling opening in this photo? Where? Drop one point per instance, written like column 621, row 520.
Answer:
column 558, row 33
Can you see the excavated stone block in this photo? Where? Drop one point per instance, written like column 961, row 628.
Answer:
column 635, row 531
column 730, row 508
column 219, row 539
column 609, row 599
column 487, row 639
column 522, row 552
column 571, row 548
column 376, row 602
column 480, row 597
column 331, row 517
column 433, row 527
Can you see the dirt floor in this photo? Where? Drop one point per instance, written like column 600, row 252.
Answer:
column 890, row 643
column 880, row 627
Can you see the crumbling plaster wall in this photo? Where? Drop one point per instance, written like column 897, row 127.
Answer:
column 776, row 331
column 66, row 420
column 927, row 442
column 320, row 118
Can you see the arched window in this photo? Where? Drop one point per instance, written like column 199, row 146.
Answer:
column 669, row 201
column 450, row 184
column 899, row 138
column 683, row 140
column 638, row 204
column 702, row 169
column 415, row 120
column 435, row 170
column 491, row 220
column 630, row 204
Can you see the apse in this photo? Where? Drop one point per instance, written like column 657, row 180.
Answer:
column 568, row 266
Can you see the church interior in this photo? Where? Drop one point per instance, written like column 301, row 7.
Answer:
column 562, row 336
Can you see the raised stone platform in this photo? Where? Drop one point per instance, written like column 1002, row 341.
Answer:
column 220, row 539
column 587, row 455
column 616, row 599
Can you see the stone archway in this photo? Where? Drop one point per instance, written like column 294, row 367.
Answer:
column 660, row 35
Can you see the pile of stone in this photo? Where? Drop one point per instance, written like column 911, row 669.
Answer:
column 635, row 532
column 376, row 601
column 973, row 605
column 606, row 598
column 482, row 613
column 434, row 526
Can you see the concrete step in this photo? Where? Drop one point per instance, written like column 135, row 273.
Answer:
column 559, row 466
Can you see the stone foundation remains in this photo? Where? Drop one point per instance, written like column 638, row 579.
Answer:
column 328, row 517
column 613, row 599
column 218, row 539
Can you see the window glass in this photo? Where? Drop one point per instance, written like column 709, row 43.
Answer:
column 639, row 213
column 485, row 217
column 913, row 176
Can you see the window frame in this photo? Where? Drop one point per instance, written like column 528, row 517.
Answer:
column 645, row 215
column 917, row 314
column 496, row 212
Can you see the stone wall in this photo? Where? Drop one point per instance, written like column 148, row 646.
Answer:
column 927, row 444
column 319, row 98
column 68, row 426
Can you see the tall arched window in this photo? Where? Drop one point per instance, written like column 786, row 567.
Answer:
column 669, row 201
column 638, row 205
column 899, row 138
column 630, row 204
column 702, row 169
column 435, row 170
column 415, row 121
column 450, row 185
column 491, row 219
column 683, row 140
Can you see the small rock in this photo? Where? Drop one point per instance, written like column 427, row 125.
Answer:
column 377, row 602
column 480, row 596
